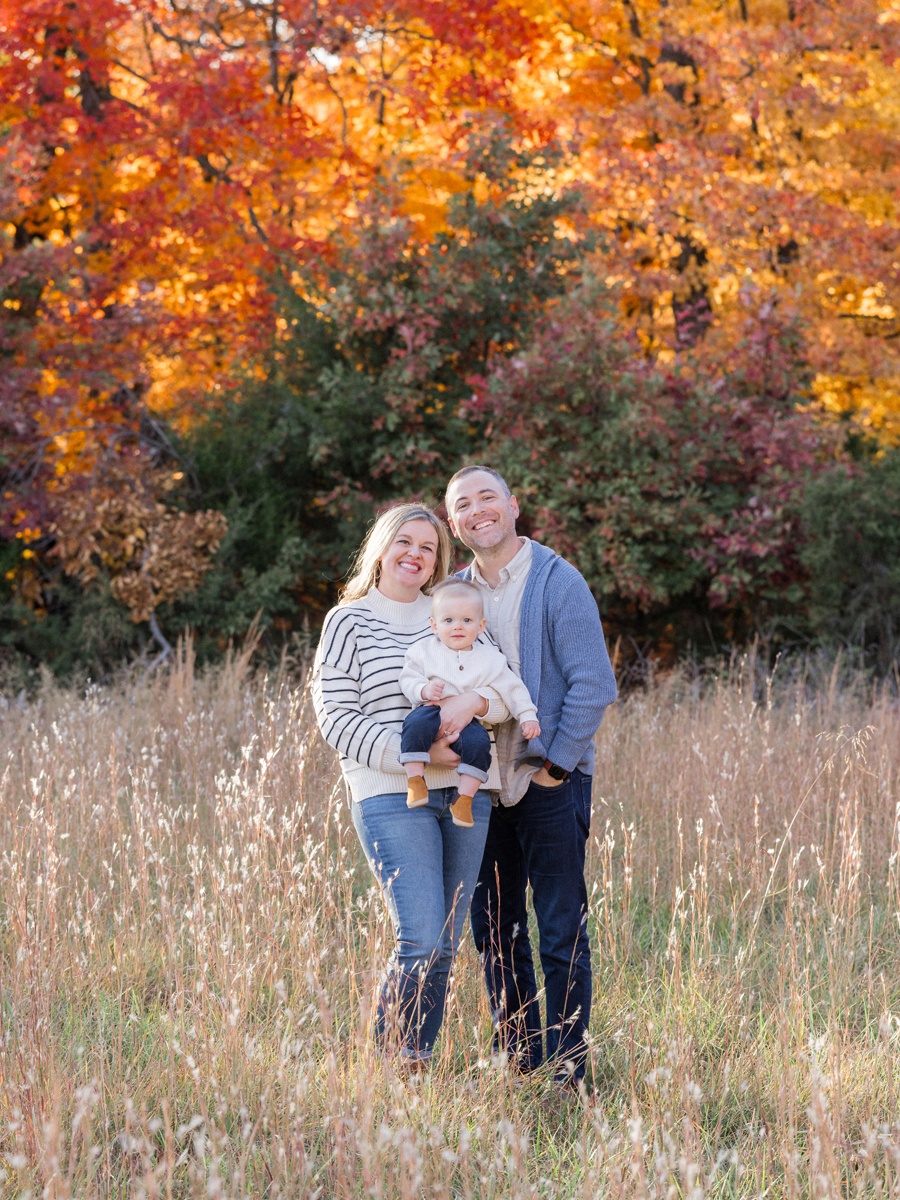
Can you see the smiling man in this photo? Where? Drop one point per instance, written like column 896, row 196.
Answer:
column 543, row 617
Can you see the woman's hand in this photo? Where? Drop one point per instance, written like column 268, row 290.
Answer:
column 458, row 711
column 443, row 754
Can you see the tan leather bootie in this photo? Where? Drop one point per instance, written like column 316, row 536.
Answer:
column 417, row 792
column 461, row 811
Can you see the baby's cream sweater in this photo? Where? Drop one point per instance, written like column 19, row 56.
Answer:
column 482, row 669
column 356, row 691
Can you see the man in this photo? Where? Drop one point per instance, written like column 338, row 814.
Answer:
column 543, row 617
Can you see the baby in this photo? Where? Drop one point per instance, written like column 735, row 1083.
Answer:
column 446, row 665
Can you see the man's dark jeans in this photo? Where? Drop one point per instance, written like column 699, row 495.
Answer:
column 540, row 840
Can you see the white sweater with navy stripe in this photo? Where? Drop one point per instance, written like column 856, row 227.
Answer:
column 356, row 691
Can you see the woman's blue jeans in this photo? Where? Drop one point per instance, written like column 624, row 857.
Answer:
column 427, row 868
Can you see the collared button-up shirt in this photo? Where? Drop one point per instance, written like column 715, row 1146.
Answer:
column 503, row 613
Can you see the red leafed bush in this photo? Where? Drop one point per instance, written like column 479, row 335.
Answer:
column 664, row 486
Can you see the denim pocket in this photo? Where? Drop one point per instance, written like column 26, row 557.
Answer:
column 544, row 789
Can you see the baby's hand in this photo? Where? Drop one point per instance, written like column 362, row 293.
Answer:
column 531, row 729
column 433, row 691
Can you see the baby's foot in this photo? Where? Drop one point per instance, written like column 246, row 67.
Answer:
column 461, row 811
column 417, row 792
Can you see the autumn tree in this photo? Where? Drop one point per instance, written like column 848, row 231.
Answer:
column 149, row 553
column 679, row 497
column 163, row 164
column 187, row 151
column 748, row 143
column 361, row 397
column 180, row 183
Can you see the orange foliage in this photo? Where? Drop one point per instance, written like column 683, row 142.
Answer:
column 188, row 151
column 747, row 147
column 161, row 162
column 150, row 553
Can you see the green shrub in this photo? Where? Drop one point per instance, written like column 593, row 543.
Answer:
column 852, row 554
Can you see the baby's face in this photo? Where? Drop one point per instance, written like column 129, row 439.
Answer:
column 457, row 620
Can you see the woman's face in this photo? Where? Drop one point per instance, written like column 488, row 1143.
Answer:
column 408, row 563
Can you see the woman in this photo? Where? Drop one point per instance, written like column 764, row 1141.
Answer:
column 427, row 866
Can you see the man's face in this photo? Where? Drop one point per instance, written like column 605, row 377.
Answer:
column 481, row 514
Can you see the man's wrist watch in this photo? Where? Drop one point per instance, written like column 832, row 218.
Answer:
column 554, row 771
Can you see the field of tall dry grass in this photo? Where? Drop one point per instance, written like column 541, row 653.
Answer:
column 189, row 939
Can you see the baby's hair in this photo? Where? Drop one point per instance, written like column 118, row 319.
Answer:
column 455, row 584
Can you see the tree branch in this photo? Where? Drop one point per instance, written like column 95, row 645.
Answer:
column 163, row 641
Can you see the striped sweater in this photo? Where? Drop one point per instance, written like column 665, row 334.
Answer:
column 357, row 696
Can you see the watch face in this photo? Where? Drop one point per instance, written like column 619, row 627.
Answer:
column 556, row 772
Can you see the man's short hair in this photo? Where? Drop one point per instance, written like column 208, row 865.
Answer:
column 461, row 474
column 454, row 584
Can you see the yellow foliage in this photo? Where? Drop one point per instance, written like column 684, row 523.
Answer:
column 874, row 407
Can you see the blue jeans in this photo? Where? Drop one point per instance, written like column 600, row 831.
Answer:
column 541, row 840
column 427, row 868
column 420, row 729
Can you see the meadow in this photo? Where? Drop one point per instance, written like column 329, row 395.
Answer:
column 189, row 940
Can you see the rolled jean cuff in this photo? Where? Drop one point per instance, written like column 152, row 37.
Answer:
column 416, row 756
column 467, row 769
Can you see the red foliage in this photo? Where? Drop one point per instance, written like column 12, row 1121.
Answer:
column 660, row 485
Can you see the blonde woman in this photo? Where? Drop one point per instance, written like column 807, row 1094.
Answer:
column 427, row 866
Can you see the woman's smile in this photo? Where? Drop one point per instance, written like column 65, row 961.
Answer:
column 408, row 561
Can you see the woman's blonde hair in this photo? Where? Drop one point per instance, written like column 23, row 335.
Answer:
column 367, row 564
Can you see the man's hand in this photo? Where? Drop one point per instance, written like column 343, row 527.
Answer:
column 433, row 691
column 443, row 754
column 544, row 779
column 458, row 711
